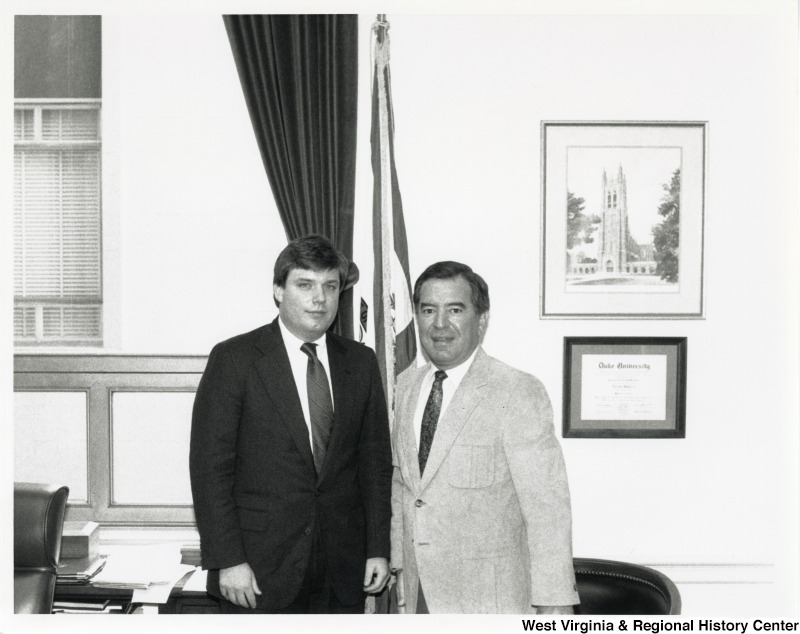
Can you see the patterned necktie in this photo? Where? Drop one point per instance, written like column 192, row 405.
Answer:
column 429, row 419
column 320, row 405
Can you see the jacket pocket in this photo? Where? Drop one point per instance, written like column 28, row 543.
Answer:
column 252, row 520
column 470, row 466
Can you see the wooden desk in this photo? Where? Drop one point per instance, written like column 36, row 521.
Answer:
column 180, row 601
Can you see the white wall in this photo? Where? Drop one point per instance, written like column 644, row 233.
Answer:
column 188, row 202
column 191, row 235
column 470, row 92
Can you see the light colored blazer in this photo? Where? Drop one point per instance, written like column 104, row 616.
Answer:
column 488, row 529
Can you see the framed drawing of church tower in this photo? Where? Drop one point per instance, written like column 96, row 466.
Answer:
column 623, row 208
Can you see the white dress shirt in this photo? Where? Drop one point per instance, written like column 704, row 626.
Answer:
column 449, row 387
column 299, row 362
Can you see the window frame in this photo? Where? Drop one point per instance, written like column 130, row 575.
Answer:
column 100, row 376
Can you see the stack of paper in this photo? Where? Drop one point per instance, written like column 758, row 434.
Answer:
column 79, row 571
column 142, row 568
column 89, row 607
column 197, row 582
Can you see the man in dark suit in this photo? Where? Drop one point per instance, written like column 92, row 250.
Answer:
column 290, row 457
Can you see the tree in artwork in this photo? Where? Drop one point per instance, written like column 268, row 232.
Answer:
column 580, row 226
column 666, row 235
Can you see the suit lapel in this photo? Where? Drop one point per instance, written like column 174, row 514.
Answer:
column 406, row 438
column 341, row 382
column 461, row 406
column 275, row 372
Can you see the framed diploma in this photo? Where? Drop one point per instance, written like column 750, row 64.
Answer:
column 624, row 387
column 622, row 219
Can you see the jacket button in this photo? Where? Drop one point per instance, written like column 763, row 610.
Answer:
column 418, row 503
column 307, row 531
column 317, row 493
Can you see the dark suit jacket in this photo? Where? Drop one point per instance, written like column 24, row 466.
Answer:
column 256, row 493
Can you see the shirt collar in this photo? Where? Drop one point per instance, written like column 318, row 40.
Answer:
column 457, row 373
column 293, row 343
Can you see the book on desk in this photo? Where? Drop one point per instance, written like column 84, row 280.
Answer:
column 91, row 607
column 80, row 540
column 80, row 571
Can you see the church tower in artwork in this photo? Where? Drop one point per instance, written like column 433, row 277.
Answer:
column 613, row 239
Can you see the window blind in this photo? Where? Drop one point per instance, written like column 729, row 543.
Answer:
column 57, row 225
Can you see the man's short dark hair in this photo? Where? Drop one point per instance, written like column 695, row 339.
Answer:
column 313, row 253
column 449, row 270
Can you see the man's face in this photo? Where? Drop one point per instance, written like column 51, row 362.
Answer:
column 308, row 302
column 449, row 327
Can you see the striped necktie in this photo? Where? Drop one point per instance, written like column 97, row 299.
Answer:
column 320, row 405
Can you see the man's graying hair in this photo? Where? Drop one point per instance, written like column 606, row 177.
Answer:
column 449, row 270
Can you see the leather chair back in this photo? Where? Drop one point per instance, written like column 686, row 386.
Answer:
column 615, row 587
column 39, row 511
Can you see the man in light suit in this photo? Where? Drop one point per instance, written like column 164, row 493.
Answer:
column 481, row 519
column 290, row 456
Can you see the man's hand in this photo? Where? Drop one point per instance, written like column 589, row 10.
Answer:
column 376, row 574
column 238, row 585
column 553, row 609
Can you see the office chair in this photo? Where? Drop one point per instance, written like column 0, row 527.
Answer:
column 616, row 587
column 611, row 587
column 39, row 511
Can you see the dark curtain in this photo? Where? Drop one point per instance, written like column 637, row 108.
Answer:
column 299, row 77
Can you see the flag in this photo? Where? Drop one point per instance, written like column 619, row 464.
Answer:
column 395, row 339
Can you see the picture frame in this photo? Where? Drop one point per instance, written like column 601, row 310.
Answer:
column 624, row 387
column 622, row 224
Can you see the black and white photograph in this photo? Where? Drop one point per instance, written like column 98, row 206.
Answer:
column 424, row 316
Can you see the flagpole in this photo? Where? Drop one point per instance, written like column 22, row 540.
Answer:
column 381, row 61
